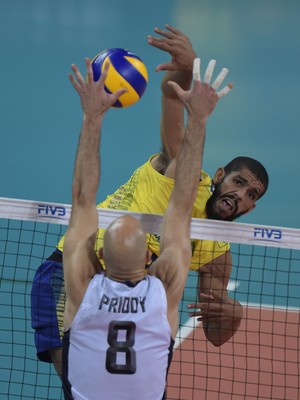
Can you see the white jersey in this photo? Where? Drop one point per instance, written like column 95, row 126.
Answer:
column 119, row 343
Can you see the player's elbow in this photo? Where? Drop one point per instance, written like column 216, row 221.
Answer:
column 220, row 333
column 218, row 341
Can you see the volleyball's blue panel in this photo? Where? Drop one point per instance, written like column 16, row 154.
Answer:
column 137, row 81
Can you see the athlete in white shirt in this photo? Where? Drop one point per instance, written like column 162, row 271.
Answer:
column 120, row 324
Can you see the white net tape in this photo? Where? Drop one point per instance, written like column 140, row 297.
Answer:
column 55, row 213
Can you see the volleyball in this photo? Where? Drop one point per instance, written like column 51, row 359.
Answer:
column 126, row 70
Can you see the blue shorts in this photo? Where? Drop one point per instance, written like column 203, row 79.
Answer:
column 47, row 306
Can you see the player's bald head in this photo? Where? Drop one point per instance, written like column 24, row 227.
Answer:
column 124, row 243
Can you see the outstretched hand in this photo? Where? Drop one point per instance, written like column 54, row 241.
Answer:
column 213, row 306
column 94, row 99
column 177, row 45
column 202, row 98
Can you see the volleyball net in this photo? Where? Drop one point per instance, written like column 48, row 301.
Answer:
column 261, row 361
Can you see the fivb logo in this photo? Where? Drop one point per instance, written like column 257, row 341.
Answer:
column 267, row 234
column 50, row 211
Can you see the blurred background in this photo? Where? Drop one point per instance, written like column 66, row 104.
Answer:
column 41, row 116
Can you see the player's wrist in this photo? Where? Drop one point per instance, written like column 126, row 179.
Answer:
column 93, row 116
column 93, row 120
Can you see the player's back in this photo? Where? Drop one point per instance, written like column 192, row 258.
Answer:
column 119, row 342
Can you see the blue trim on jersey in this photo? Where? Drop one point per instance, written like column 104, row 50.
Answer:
column 65, row 367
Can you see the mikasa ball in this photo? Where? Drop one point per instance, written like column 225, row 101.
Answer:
column 126, row 70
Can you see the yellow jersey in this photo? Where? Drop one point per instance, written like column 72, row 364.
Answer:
column 148, row 191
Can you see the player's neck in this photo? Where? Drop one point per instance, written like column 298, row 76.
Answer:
column 133, row 278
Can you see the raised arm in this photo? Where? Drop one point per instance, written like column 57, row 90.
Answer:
column 79, row 258
column 173, row 264
column 179, row 70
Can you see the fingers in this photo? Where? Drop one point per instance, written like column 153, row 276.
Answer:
column 218, row 82
column 206, row 296
column 119, row 93
column 174, row 30
column 169, row 35
column 216, row 295
column 73, row 81
column 104, row 73
column 164, row 43
column 165, row 67
column 193, row 305
column 205, row 310
column 169, row 40
column 209, row 71
column 89, row 70
column 177, row 89
column 196, row 70
column 225, row 90
column 76, row 78
column 207, row 314
column 166, row 34
column 220, row 78
column 178, row 45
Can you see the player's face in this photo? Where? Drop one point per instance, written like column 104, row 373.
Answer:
column 235, row 195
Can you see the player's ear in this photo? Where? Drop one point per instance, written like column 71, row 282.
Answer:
column 219, row 175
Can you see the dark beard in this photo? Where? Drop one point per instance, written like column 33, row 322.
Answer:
column 210, row 209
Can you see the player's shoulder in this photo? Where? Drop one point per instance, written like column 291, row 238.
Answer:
column 169, row 262
column 205, row 178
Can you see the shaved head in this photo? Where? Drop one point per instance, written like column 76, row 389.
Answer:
column 124, row 245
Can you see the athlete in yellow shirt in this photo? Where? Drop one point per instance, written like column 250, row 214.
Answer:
column 148, row 191
column 232, row 192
